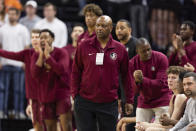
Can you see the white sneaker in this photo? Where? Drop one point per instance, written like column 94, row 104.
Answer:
column 22, row 116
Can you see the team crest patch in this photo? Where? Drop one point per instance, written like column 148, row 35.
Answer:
column 113, row 56
column 152, row 68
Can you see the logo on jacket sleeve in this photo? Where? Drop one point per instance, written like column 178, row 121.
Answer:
column 113, row 56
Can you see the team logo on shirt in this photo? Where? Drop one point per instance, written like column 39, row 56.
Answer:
column 113, row 56
column 152, row 68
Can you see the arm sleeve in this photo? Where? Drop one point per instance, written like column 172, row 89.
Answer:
column 189, row 59
column 60, row 66
column 126, row 78
column 35, row 70
column 149, row 86
column 19, row 56
column 173, row 60
column 77, row 69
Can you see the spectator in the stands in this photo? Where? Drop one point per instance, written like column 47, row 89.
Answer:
column 14, row 37
column 13, row 4
column 31, row 18
column 54, row 24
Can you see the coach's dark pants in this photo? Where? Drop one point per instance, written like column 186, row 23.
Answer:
column 95, row 116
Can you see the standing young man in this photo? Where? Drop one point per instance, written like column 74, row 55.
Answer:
column 91, row 13
column 14, row 37
column 31, row 18
column 33, row 109
column 95, row 79
column 50, row 69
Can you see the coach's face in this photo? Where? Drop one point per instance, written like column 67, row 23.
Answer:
column 45, row 38
column 122, row 30
column 144, row 51
column 189, row 85
column 103, row 27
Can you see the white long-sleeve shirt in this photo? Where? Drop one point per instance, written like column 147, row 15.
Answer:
column 188, row 118
column 13, row 38
column 58, row 28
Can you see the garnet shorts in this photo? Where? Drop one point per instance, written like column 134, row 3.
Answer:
column 54, row 109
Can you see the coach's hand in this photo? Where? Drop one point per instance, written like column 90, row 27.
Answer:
column 138, row 76
column 128, row 108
